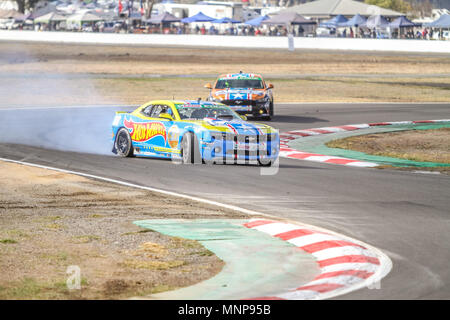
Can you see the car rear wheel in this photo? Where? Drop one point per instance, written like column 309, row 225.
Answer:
column 124, row 145
column 190, row 152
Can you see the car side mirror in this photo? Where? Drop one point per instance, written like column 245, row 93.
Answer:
column 243, row 117
column 270, row 86
column 166, row 116
column 208, row 86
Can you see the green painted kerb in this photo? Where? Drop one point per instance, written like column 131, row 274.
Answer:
column 256, row 264
column 316, row 144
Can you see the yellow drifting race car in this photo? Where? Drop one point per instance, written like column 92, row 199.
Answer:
column 193, row 132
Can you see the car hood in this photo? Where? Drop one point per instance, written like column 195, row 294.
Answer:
column 238, row 94
column 234, row 126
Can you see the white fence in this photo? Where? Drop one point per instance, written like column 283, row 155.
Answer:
column 431, row 46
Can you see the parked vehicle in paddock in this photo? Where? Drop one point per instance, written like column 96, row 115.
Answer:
column 193, row 132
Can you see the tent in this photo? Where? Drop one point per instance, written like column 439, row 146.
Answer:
column 356, row 21
column 402, row 22
column 50, row 17
column 334, row 22
column 288, row 18
column 163, row 17
column 199, row 17
column 442, row 22
column 23, row 17
column 377, row 21
column 330, row 8
column 41, row 11
column 256, row 21
column 225, row 20
column 81, row 18
column 9, row 14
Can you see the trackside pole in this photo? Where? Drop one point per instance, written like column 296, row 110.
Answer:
column 291, row 42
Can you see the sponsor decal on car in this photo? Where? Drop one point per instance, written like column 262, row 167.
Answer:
column 173, row 136
column 141, row 132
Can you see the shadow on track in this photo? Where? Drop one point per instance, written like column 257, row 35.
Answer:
column 289, row 119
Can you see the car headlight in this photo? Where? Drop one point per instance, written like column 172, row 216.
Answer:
column 215, row 99
column 265, row 99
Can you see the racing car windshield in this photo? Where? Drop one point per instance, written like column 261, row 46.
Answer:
column 239, row 83
column 187, row 111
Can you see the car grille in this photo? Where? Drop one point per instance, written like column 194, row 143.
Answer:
column 242, row 138
column 239, row 102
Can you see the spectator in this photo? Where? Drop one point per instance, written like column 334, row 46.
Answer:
column 351, row 33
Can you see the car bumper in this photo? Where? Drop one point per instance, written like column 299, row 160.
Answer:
column 233, row 150
column 249, row 107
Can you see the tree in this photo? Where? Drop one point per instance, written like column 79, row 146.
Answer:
column 396, row 5
column 25, row 4
column 421, row 8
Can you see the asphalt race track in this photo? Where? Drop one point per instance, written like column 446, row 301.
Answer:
column 405, row 214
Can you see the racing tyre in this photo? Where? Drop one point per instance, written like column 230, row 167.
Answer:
column 124, row 145
column 265, row 164
column 190, row 152
column 271, row 111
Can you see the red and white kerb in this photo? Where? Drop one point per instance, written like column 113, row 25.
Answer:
column 342, row 263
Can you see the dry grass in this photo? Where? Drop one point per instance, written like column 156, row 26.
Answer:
column 135, row 91
column 49, row 221
column 39, row 74
column 49, row 58
column 419, row 145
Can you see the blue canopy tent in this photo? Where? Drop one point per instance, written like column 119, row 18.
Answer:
column 256, row 21
column 199, row 17
column 442, row 22
column 377, row 21
column 163, row 17
column 356, row 21
column 334, row 22
column 225, row 20
column 402, row 22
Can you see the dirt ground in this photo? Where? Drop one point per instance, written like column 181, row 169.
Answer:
column 56, row 74
column 419, row 145
column 50, row 221
column 103, row 59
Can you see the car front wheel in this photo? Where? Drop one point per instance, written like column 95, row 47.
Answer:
column 124, row 145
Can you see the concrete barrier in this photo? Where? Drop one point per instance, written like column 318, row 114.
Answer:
column 430, row 46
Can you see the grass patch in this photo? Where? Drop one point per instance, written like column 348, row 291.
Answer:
column 152, row 265
column 177, row 242
column 6, row 241
column 85, row 238
column 54, row 226
column 432, row 145
column 203, row 253
column 137, row 232
column 96, row 215
column 30, row 288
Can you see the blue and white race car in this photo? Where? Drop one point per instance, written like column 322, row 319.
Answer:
column 193, row 132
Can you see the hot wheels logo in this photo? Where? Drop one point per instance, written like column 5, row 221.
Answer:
column 141, row 132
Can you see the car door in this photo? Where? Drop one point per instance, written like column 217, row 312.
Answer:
column 157, row 127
